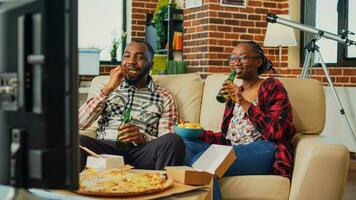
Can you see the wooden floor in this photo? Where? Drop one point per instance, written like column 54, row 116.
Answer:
column 350, row 188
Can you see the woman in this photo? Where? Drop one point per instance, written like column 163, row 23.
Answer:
column 257, row 121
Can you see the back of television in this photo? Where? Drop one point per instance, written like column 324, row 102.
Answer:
column 38, row 94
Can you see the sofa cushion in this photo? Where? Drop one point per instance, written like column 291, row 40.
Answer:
column 95, row 86
column 306, row 96
column 212, row 111
column 308, row 101
column 187, row 90
column 255, row 187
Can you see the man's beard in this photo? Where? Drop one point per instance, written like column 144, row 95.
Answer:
column 140, row 76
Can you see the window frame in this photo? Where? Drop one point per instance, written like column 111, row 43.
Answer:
column 124, row 39
column 308, row 16
column 229, row 3
column 124, row 29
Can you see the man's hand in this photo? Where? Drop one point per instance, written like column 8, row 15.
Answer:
column 116, row 76
column 130, row 133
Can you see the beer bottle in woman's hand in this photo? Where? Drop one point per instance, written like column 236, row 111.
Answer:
column 221, row 96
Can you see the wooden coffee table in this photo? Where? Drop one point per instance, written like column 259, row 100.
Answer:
column 200, row 194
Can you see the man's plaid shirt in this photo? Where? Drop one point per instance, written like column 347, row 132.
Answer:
column 153, row 110
column 272, row 117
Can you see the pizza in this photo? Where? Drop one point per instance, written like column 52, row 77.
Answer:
column 122, row 182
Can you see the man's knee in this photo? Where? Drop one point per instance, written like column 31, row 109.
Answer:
column 85, row 140
column 173, row 141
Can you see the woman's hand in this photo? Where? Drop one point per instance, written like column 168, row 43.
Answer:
column 234, row 93
column 131, row 133
column 116, row 76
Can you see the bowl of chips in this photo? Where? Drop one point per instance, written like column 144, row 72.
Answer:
column 188, row 130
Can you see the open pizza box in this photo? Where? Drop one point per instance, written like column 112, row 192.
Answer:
column 216, row 160
column 105, row 161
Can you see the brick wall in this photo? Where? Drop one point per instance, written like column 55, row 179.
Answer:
column 139, row 10
column 104, row 70
column 211, row 31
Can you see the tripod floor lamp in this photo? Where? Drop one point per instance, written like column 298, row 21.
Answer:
column 279, row 36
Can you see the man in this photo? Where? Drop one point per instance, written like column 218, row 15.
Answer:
column 153, row 114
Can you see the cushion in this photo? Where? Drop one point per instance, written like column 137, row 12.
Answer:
column 255, row 187
column 212, row 111
column 187, row 90
column 308, row 101
column 95, row 86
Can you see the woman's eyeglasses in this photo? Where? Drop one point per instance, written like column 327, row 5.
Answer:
column 233, row 58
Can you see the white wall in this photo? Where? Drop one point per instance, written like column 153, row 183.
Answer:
column 335, row 124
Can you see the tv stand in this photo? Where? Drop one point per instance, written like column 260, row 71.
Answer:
column 11, row 193
column 22, row 194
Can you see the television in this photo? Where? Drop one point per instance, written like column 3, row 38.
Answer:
column 38, row 94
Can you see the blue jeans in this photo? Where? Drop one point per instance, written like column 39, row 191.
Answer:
column 255, row 158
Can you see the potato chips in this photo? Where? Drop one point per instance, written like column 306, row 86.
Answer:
column 189, row 125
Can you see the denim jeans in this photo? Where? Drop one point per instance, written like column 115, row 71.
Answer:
column 255, row 158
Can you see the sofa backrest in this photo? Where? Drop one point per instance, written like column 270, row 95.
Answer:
column 197, row 103
column 187, row 90
column 306, row 96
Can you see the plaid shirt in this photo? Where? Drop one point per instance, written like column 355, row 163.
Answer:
column 272, row 117
column 153, row 110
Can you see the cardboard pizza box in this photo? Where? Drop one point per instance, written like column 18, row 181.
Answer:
column 216, row 160
column 105, row 161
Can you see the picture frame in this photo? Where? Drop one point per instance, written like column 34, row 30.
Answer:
column 234, row 3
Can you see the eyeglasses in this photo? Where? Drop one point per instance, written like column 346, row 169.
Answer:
column 232, row 59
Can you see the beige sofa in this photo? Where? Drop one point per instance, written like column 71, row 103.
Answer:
column 321, row 165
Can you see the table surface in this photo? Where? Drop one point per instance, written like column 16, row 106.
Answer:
column 200, row 194
column 204, row 193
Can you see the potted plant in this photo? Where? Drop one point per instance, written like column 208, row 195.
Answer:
column 116, row 41
column 161, row 13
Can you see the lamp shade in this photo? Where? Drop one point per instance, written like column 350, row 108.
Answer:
column 88, row 61
column 279, row 35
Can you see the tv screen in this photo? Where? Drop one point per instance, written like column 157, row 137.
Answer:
column 38, row 94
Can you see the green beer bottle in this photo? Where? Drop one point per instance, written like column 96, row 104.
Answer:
column 120, row 145
column 220, row 97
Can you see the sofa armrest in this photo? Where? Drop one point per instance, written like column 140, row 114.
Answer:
column 320, row 168
column 91, row 132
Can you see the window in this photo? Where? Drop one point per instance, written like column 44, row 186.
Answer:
column 233, row 3
column 332, row 16
column 351, row 51
column 99, row 22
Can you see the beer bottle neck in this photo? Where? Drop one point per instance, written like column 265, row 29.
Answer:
column 127, row 115
column 232, row 75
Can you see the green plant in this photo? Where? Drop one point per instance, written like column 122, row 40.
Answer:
column 160, row 4
column 161, row 13
column 116, row 41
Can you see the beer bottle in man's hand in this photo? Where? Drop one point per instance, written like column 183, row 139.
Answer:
column 120, row 145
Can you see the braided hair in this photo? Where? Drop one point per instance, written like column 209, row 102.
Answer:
column 266, row 63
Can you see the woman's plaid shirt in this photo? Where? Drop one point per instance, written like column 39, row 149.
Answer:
column 272, row 117
column 153, row 110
